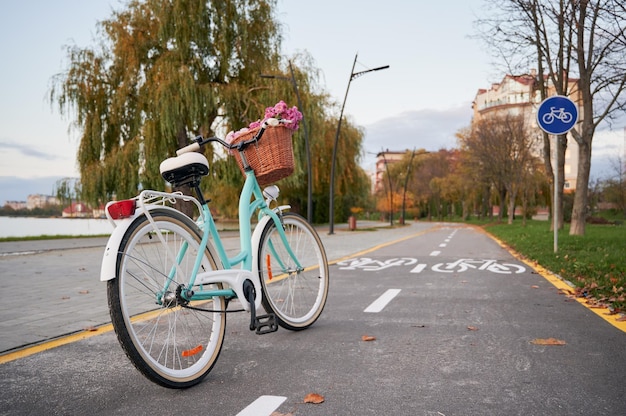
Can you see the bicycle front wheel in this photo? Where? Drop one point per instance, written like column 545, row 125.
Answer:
column 171, row 341
column 294, row 276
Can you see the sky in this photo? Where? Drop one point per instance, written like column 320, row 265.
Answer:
column 435, row 69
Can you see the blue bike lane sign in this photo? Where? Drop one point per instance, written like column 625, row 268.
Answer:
column 557, row 114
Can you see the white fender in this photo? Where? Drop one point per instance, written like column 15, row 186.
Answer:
column 109, row 258
column 256, row 239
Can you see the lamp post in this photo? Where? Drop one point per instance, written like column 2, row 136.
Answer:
column 309, row 197
column 406, row 182
column 382, row 153
column 353, row 75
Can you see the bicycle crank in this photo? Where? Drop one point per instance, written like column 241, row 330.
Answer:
column 262, row 324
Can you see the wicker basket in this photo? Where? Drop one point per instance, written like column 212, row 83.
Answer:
column 271, row 157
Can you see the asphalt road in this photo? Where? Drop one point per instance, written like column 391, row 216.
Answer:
column 428, row 319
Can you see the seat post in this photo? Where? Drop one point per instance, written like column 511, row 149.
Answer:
column 196, row 187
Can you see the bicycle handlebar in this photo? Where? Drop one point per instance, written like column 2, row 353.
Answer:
column 201, row 141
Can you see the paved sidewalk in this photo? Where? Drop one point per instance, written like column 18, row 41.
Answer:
column 52, row 287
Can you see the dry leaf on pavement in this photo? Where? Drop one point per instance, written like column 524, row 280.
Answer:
column 548, row 341
column 368, row 338
column 314, row 398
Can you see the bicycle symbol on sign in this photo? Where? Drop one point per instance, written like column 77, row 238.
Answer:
column 493, row 266
column 559, row 114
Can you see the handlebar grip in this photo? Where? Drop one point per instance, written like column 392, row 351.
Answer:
column 189, row 148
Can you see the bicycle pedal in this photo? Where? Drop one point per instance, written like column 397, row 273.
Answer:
column 265, row 324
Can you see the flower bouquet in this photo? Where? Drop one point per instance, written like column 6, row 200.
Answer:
column 271, row 157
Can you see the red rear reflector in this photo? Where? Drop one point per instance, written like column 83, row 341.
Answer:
column 269, row 267
column 122, row 209
column 191, row 352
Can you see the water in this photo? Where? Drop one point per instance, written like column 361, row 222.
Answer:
column 29, row 226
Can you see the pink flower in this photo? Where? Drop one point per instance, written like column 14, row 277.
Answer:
column 279, row 111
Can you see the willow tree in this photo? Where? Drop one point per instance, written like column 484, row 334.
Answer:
column 162, row 72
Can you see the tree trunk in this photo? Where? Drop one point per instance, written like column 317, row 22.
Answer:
column 511, row 207
column 502, row 203
column 579, row 211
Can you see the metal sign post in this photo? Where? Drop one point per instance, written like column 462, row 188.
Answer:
column 557, row 115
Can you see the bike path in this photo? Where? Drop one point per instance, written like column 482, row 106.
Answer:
column 54, row 295
column 453, row 344
column 58, row 297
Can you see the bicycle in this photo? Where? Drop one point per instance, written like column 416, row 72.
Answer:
column 559, row 114
column 170, row 280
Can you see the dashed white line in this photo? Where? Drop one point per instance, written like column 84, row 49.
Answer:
column 419, row 268
column 263, row 406
column 442, row 245
column 380, row 303
column 435, row 253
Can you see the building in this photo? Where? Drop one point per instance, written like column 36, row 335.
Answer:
column 15, row 205
column 77, row 210
column 383, row 159
column 40, row 201
column 518, row 95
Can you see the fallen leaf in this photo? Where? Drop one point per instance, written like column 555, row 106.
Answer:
column 621, row 319
column 83, row 292
column 548, row 341
column 368, row 338
column 472, row 328
column 65, row 298
column 91, row 329
column 314, row 398
column 534, row 287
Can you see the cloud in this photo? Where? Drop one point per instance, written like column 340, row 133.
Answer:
column 435, row 129
column 419, row 129
column 27, row 150
column 17, row 189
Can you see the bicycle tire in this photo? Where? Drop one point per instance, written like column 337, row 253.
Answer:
column 172, row 345
column 296, row 296
column 548, row 118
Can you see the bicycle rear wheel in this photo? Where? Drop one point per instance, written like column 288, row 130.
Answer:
column 295, row 288
column 172, row 342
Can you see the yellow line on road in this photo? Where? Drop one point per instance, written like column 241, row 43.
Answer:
column 369, row 250
column 22, row 353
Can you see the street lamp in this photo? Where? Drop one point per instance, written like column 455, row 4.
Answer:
column 382, row 153
column 353, row 75
column 309, row 199
column 406, row 182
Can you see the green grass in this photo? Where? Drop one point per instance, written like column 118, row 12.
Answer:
column 595, row 263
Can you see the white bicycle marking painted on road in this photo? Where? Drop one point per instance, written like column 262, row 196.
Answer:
column 493, row 266
column 462, row 265
column 371, row 265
